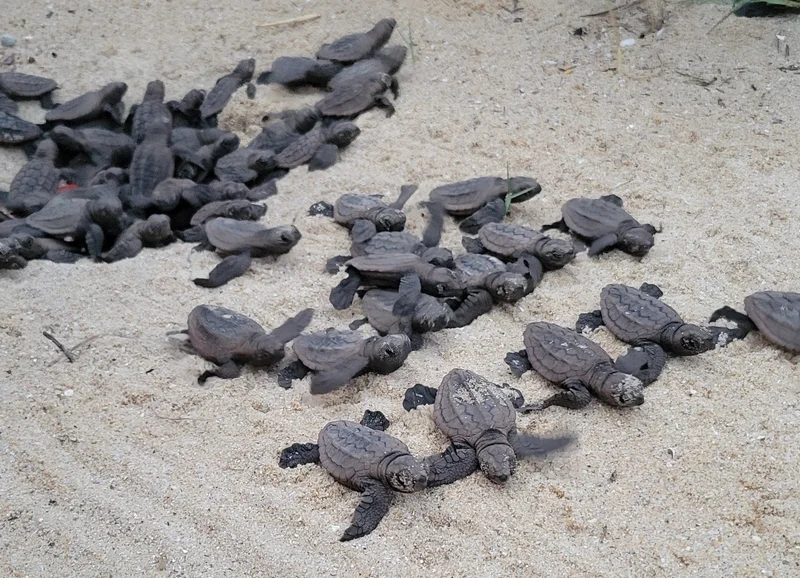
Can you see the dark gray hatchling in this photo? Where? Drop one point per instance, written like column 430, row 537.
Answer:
column 36, row 182
column 21, row 86
column 334, row 357
column 198, row 164
column 186, row 112
column 427, row 315
column 10, row 259
column 357, row 46
column 306, row 147
column 508, row 242
column 223, row 90
column 14, row 130
column 605, row 225
column 776, row 314
column 480, row 419
column 298, row 71
column 53, row 250
column 241, row 241
column 232, row 340
column 465, row 198
column 106, row 100
column 104, row 148
column 152, row 110
column 170, row 192
column 237, row 209
column 152, row 163
column 577, row 364
column 7, row 105
column 506, row 283
column 371, row 462
column 155, row 231
column 349, row 209
column 245, row 165
column 386, row 61
column 351, row 100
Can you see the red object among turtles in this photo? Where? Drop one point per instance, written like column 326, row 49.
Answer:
column 66, row 187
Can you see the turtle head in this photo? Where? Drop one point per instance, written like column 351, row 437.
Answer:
column 262, row 161
column 155, row 91
column 387, row 354
column 688, row 339
column 105, row 210
column 406, row 474
column 637, row 241
column 114, row 91
column 248, row 211
column 444, row 282
column 47, row 149
column 393, row 56
column 158, row 230
column 265, row 350
column 554, row 253
column 622, row 390
column 496, row 457
column 508, row 287
column 518, row 184
column 343, row 133
column 389, row 219
column 245, row 69
column 281, row 239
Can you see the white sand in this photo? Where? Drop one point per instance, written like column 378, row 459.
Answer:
column 120, row 465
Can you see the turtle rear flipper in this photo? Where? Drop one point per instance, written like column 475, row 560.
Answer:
column 299, row 454
column 613, row 199
column 374, row 505
column 491, row 212
column 408, row 295
column 527, row 445
column 603, row 243
column 362, row 231
column 645, row 362
column 559, row 225
column 476, row 303
column 333, row 264
column 94, row 239
column 228, row 370
column 433, row 230
column 292, row 371
column 453, row 464
column 229, row 268
column 293, row 326
column 591, row 321
column 342, row 295
column 327, row 380
column 574, row 396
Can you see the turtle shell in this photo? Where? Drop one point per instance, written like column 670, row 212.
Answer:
column 377, row 305
column 389, row 242
column 467, row 405
column 558, row 354
column 223, row 90
column 593, row 218
column 472, row 266
column 14, row 130
column 88, row 105
column 325, row 349
column 465, row 197
column 60, row 217
column 350, row 452
column 387, row 61
column 506, row 240
column 349, row 207
column 777, row 316
column 353, row 99
column 219, row 334
column 301, row 149
column 632, row 315
column 232, row 236
column 18, row 85
column 235, row 167
column 357, row 46
column 7, row 105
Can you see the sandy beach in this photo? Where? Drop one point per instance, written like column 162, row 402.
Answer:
column 119, row 464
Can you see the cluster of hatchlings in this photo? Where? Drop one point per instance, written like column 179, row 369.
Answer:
column 168, row 171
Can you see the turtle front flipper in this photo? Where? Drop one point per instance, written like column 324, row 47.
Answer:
column 385, row 104
column 327, row 380
column 406, row 191
column 228, row 370
column 342, row 295
column 722, row 336
column 453, row 464
column 333, row 264
column 292, row 371
column 559, row 225
column 298, row 454
column 409, row 294
column 518, row 362
column 613, row 199
column 574, row 396
column 374, row 505
column 433, row 230
column 293, row 326
column 591, row 321
column 326, row 156
column 95, row 237
column 492, row 212
column 603, row 243
column 473, row 245
column 645, row 361
column 229, row 268
column 528, row 445
column 476, row 303
column 363, row 230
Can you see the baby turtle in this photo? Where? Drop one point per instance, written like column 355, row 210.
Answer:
column 480, row 419
column 474, row 303
column 304, row 148
column 357, row 46
column 605, row 224
column 464, row 198
column 298, row 71
column 7, row 105
column 504, row 282
column 775, row 313
column 351, row 208
column 238, row 209
column 580, row 366
column 232, row 340
column 152, row 163
column 508, row 241
column 14, row 130
column 387, row 271
column 245, row 165
column 45, row 248
column 242, row 241
column 186, row 112
column 10, row 259
column 153, row 232
column 106, row 100
column 223, row 90
column 103, row 147
column 336, row 356
column 36, row 182
column 371, row 462
column 151, row 111
column 27, row 86
column 351, row 100
column 386, row 61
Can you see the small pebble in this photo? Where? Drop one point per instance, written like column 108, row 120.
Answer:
column 68, row 393
column 7, row 40
column 628, row 42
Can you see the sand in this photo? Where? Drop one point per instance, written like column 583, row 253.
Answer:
column 120, row 465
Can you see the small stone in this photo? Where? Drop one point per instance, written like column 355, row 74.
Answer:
column 68, row 393
column 756, row 538
column 7, row 40
column 628, row 42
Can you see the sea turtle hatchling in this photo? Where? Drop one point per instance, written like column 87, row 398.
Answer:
column 186, row 111
column 21, row 86
column 577, row 364
column 36, row 182
column 351, row 208
column 105, row 100
column 387, row 61
column 298, row 71
column 103, row 147
column 354, row 47
column 336, row 356
column 14, row 130
column 351, row 100
column 152, row 110
column 155, row 231
column 464, row 198
column 480, row 419
column 305, row 147
column 605, row 224
column 242, row 241
column 244, row 165
column 508, row 241
column 152, row 163
column 223, row 90
column 506, row 283
column 232, row 340
column 775, row 313
column 238, row 209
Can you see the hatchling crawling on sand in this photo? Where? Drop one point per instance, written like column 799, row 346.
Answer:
column 151, row 111
column 507, row 283
column 479, row 417
column 306, row 146
column 354, row 47
column 352, row 99
column 776, row 314
column 155, row 231
column 223, row 90
column 336, row 356
column 242, row 241
column 19, row 86
column 297, row 71
column 350, row 209
column 14, row 130
column 104, row 101
column 387, row 61
column 36, row 182
column 232, row 340
column 606, row 225
column 465, row 198
column 580, row 366
column 508, row 242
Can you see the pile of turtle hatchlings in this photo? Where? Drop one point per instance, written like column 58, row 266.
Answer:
column 167, row 171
